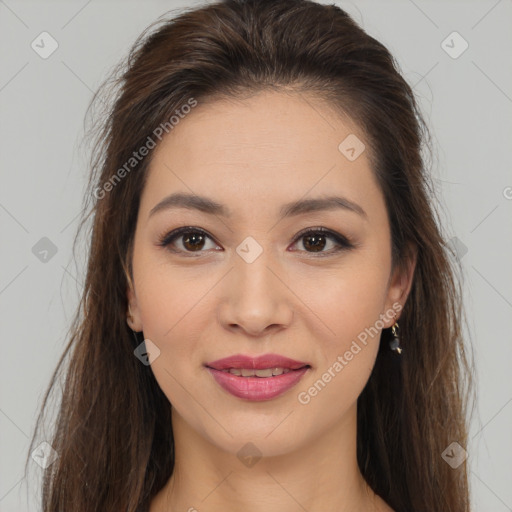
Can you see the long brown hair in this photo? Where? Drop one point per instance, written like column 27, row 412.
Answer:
column 113, row 431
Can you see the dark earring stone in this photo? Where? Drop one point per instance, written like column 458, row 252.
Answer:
column 394, row 344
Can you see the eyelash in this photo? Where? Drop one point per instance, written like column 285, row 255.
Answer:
column 344, row 243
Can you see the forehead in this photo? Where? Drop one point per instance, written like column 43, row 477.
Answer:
column 267, row 124
column 273, row 146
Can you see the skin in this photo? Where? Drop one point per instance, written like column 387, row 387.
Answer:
column 253, row 156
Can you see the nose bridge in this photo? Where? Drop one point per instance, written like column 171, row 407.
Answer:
column 252, row 272
column 256, row 298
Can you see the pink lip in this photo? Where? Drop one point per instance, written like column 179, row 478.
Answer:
column 257, row 388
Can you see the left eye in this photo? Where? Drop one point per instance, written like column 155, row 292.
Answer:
column 193, row 240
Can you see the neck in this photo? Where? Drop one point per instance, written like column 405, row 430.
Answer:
column 322, row 476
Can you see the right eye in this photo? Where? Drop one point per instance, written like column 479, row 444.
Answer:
column 192, row 239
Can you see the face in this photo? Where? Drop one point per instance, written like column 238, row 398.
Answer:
column 249, row 279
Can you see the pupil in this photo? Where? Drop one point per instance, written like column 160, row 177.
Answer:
column 316, row 245
column 195, row 238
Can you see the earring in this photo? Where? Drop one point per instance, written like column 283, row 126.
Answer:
column 394, row 344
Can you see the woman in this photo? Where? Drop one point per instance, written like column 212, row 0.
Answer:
column 270, row 318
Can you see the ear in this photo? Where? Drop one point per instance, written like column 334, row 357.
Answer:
column 133, row 318
column 400, row 283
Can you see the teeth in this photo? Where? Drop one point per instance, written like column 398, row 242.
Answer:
column 267, row 372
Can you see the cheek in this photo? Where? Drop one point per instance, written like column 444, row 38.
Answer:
column 350, row 299
column 167, row 296
column 349, row 302
column 351, row 306
column 171, row 311
column 176, row 312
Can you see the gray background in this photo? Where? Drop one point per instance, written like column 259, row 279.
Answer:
column 467, row 102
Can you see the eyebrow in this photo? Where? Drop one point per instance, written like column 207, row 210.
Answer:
column 209, row 206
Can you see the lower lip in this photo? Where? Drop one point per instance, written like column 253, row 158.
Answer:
column 257, row 388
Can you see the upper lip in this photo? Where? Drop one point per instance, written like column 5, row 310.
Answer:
column 256, row 362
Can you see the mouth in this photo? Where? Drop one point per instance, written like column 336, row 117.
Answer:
column 261, row 362
column 257, row 378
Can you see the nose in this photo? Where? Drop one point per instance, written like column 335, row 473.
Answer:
column 256, row 298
